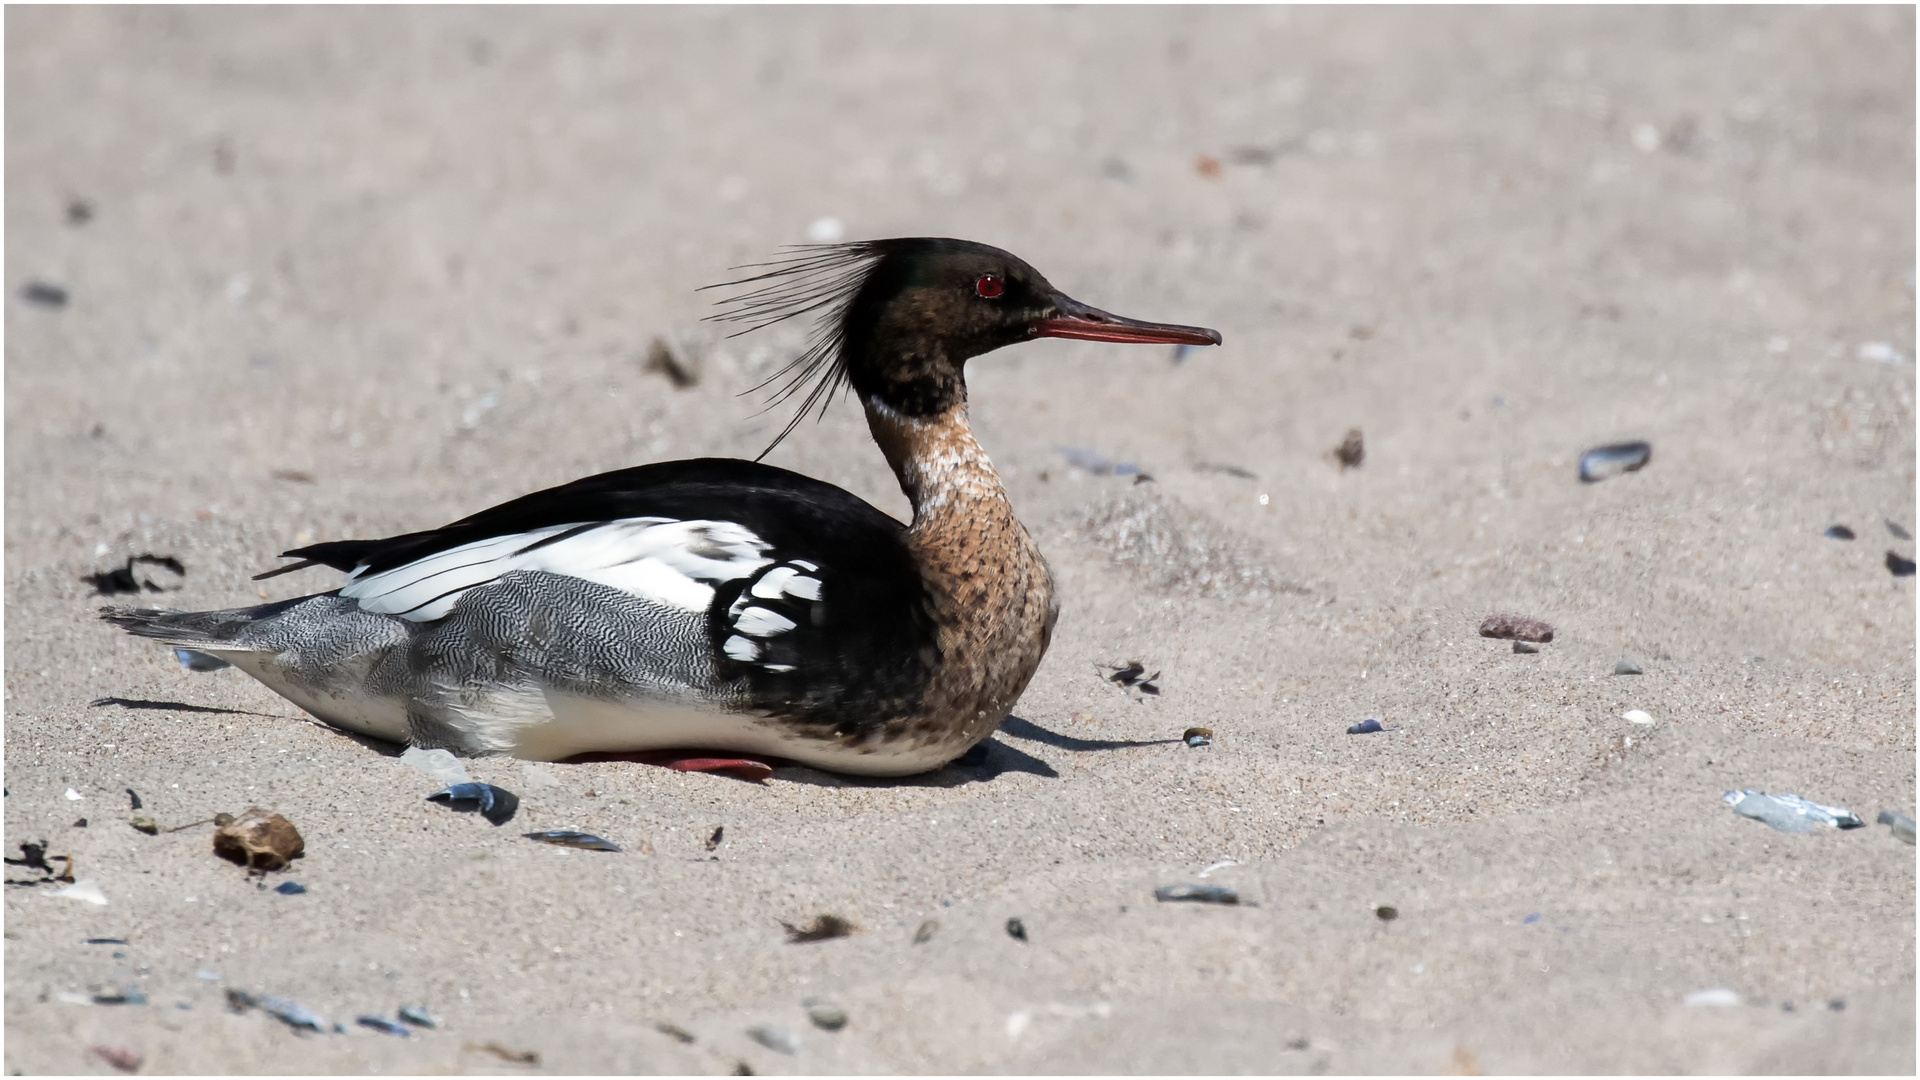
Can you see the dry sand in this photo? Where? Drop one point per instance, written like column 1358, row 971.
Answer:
column 355, row 272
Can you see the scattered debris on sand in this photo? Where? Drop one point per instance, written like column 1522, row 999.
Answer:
column 259, row 840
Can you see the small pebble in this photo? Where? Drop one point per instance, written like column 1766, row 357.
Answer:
column 1899, row 565
column 125, row 1060
column 1627, row 667
column 1386, row 912
column 1838, row 532
column 418, row 1017
column 822, row 928
column 1898, row 530
column 926, row 931
column 1016, row 930
column 291, row 888
column 1515, row 627
column 1603, row 462
column 775, row 1038
column 1199, row 894
column 1352, row 450
column 1197, row 737
column 1523, row 647
column 129, row 996
column 44, row 293
column 826, row 1015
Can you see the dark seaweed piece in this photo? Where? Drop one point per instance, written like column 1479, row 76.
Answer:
column 1016, row 930
column 1899, row 566
column 417, row 1016
column 719, row 834
column 507, row 1053
column 823, row 928
column 497, row 805
column 1898, row 530
column 135, row 797
column 32, row 856
column 572, row 839
column 675, row 1032
column 1838, row 532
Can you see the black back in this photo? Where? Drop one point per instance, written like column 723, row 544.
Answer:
column 864, row 653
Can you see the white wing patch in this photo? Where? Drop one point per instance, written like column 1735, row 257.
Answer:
column 665, row 561
column 786, row 580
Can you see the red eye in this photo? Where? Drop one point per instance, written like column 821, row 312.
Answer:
column 989, row 286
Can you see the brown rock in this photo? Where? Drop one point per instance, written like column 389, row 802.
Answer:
column 259, row 840
column 1515, row 628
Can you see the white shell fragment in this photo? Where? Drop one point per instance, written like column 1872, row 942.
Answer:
column 1636, row 716
column 778, row 1039
column 439, row 764
column 1790, row 813
column 84, row 891
column 74, row 796
column 1718, row 996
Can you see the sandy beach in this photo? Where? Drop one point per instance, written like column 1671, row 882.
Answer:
column 277, row 276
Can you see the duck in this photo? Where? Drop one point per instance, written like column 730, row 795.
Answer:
column 689, row 608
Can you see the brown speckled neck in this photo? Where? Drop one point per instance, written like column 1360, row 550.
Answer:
column 991, row 589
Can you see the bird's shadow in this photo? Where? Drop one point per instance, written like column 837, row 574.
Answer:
column 169, row 706
column 380, row 746
column 986, row 761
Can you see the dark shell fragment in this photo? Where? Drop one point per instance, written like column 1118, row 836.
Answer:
column 572, row 839
column 1603, row 462
column 497, row 805
column 1198, row 894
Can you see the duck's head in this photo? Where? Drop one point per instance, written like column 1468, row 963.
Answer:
column 900, row 318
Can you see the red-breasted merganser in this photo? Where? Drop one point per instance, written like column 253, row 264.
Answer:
column 716, row 603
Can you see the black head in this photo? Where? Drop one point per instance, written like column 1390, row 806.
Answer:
column 900, row 318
